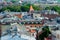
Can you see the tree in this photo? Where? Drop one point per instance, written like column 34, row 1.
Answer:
column 7, row 10
column 25, row 8
column 3, row 9
column 45, row 33
column 55, row 8
column 48, row 8
column 18, row 8
column 13, row 1
column 36, row 7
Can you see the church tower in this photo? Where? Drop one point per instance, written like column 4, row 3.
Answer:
column 31, row 9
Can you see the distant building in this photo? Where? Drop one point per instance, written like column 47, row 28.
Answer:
column 32, row 25
column 30, row 1
column 18, row 15
column 48, row 1
column 56, row 35
column 35, row 15
column 50, row 16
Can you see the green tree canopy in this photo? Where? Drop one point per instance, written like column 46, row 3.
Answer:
column 19, row 8
column 25, row 8
column 45, row 33
column 55, row 8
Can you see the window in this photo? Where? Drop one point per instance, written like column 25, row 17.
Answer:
column 34, row 23
column 58, row 36
column 38, row 22
column 35, row 16
column 22, row 22
column 26, row 23
column 30, row 26
column 35, row 26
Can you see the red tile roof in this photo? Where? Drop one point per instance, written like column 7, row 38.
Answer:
column 18, row 15
column 33, row 25
column 50, row 16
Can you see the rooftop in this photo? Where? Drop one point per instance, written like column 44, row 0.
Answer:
column 9, row 37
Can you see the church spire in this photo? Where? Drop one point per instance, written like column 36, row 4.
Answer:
column 31, row 9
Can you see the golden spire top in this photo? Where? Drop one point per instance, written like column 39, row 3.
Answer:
column 31, row 9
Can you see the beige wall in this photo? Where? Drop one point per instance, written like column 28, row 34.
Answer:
column 57, row 34
column 35, row 15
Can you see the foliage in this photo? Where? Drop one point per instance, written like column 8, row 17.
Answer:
column 48, row 8
column 13, row 1
column 36, row 7
column 19, row 8
column 45, row 33
column 55, row 8
column 24, row 8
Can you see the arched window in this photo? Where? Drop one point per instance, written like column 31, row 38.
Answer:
column 30, row 26
column 22, row 22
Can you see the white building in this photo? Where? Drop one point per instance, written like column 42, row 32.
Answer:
column 49, row 1
column 56, row 35
column 30, row 1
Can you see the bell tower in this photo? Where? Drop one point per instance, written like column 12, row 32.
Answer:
column 31, row 9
